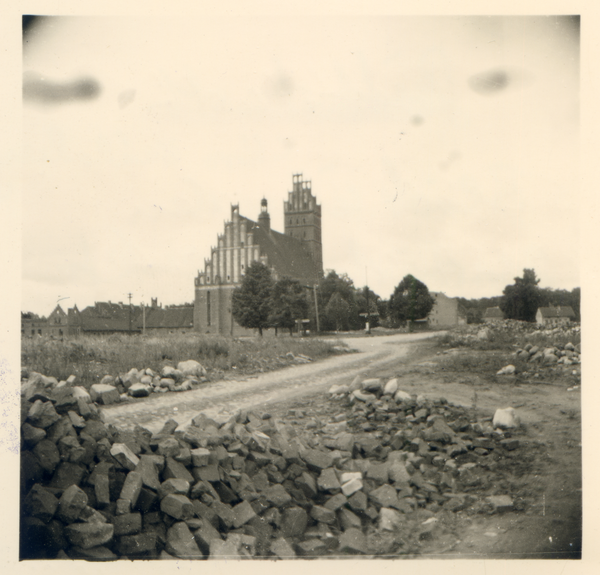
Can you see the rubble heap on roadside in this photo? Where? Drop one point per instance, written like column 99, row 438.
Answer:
column 254, row 486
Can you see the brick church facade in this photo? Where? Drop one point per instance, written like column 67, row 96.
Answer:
column 297, row 253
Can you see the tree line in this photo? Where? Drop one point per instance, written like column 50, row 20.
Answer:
column 521, row 300
column 334, row 304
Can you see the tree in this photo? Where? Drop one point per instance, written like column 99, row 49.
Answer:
column 336, row 311
column 251, row 302
column 410, row 301
column 367, row 301
column 521, row 300
column 288, row 303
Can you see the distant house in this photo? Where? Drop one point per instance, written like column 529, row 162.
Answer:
column 104, row 318
column 54, row 325
column 168, row 319
column 554, row 316
column 493, row 315
column 446, row 312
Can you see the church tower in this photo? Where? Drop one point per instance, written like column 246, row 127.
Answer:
column 302, row 218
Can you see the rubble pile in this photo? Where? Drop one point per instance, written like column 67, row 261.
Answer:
column 254, row 486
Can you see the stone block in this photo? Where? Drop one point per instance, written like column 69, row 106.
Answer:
column 500, row 503
column 87, row 535
column 294, row 522
column 384, row 496
column 131, row 487
column 352, row 486
column 348, row 520
column 353, row 542
column 67, row 474
column 317, row 460
column 128, row 524
column 328, row 481
column 177, row 506
column 335, row 502
column 282, row 549
column 138, row 546
column 104, row 394
column 312, row 548
column 175, row 486
column 307, row 483
column 242, row 513
column 174, row 469
column 224, row 513
column 147, row 467
column 277, row 495
column 389, row 519
column 71, row 504
column 32, row 435
column 40, row 503
column 47, row 454
column 506, row 418
column 200, row 457
column 322, row 514
column 42, row 414
column 124, row 455
column 204, row 535
column 181, row 542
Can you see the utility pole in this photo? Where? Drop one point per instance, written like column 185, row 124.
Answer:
column 317, row 308
column 129, row 295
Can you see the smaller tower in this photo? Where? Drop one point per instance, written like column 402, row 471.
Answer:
column 264, row 219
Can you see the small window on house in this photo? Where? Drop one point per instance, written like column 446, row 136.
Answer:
column 304, row 235
column 303, row 220
column 296, row 220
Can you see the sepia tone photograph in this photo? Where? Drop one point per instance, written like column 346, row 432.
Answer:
column 300, row 287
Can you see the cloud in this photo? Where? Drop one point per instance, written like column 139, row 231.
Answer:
column 489, row 82
column 46, row 92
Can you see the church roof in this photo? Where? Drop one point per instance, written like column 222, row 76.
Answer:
column 286, row 254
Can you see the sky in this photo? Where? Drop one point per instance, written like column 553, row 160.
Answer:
column 443, row 147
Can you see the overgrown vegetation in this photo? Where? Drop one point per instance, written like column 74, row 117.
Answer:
column 90, row 357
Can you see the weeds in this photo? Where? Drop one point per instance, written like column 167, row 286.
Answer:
column 92, row 357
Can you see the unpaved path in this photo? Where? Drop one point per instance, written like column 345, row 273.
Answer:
column 221, row 399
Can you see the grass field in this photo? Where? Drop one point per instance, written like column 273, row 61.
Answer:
column 92, row 357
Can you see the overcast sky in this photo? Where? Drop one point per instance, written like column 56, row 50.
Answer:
column 444, row 147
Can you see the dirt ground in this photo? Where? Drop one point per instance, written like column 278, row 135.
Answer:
column 544, row 476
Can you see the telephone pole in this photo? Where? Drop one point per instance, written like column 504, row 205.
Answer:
column 129, row 295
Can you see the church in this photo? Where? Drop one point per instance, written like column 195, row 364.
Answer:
column 296, row 253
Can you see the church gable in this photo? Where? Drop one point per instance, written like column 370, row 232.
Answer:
column 297, row 253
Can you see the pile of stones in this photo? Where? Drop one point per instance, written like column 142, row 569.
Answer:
column 253, row 486
column 134, row 383
column 566, row 355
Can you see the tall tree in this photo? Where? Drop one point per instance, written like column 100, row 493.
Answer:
column 522, row 299
column 288, row 303
column 251, row 302
column 336, row 311
column 410, row 301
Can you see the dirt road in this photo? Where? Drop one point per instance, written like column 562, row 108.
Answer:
column 222, row 399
